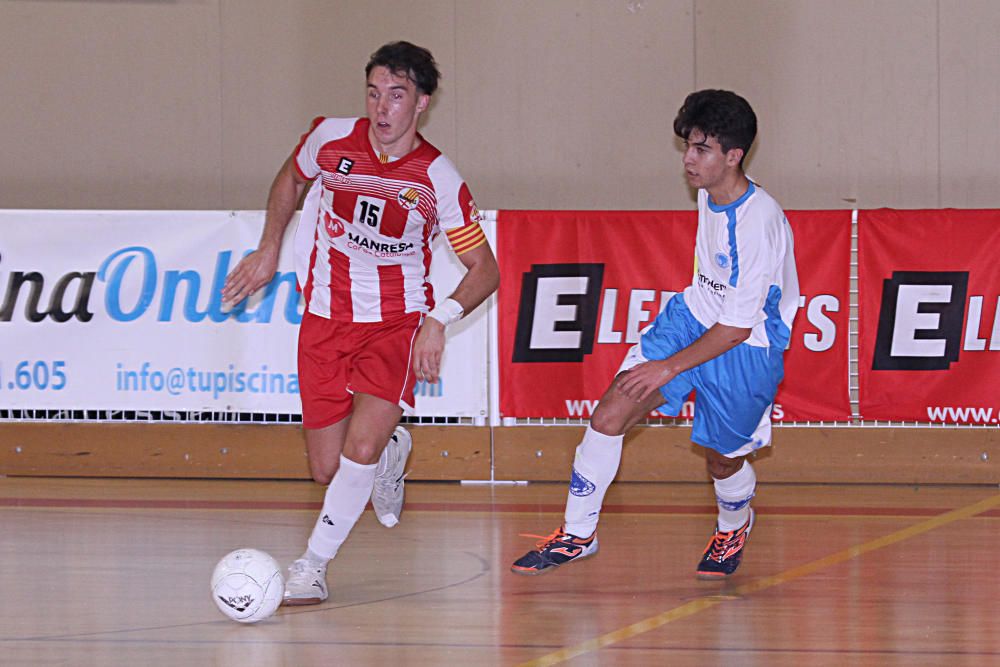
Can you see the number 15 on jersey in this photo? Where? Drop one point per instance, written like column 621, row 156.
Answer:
column 368, row 212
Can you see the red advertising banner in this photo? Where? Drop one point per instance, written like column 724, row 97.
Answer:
column 817, row 365
column 578, row 286
column 929, row 309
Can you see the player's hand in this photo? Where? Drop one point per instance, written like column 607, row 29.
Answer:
column 427, row 350
column 253, row 272
column 644, row 379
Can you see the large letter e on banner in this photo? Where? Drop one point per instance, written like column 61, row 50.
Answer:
column 920, row 322
column 557, row 315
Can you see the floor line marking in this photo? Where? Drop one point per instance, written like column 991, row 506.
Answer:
column 760, row 584
column 788, row 511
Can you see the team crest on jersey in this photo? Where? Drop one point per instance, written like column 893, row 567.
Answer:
column 722, row 259
column 474, row 213
column 334, row 227
column 345, row 166
column 408, row 198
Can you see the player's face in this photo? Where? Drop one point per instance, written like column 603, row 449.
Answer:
column 705, row 164
column 393, row 106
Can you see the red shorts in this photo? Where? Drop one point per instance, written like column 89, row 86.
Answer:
column 340, row 359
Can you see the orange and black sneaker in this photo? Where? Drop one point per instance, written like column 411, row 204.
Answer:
column 724, row 551
column 557, row 549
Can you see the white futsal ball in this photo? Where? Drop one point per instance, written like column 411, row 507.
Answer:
column 247, row 585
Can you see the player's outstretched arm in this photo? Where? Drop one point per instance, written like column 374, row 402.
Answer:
column 481, row 279
column 644, row 379
column 257, row 269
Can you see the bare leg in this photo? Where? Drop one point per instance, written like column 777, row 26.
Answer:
column 324, row 446
column 720, row 466
column 372, row 422
column 617, row 413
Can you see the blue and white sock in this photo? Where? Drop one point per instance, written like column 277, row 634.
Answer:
column 595, row 466
column 733, row 496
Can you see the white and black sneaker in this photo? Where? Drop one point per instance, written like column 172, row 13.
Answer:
column 306, row 583
column 387, row 494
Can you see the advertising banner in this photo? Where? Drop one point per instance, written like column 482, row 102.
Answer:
column 817, row 364
column 122, row 311
column 929, row 297
column 577, row 287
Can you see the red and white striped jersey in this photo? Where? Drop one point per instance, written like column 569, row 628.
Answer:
column 363, row 244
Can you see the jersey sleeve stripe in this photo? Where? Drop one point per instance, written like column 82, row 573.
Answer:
column 460, row 250
column 465, row 241
column 465, row 233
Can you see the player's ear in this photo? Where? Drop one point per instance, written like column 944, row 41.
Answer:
column 423, row 102
column 733, row 157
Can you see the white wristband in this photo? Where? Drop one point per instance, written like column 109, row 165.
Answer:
column 447, row 312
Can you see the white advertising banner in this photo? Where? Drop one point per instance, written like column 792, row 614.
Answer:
column 122, row 311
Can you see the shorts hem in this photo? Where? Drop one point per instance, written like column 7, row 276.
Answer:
column 323, row 423
column 742, row 450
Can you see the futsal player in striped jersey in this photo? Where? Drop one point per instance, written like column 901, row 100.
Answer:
column 724, row 336
column 380, row 193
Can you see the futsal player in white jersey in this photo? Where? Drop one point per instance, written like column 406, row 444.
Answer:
column 380, row 194
column 724, row 337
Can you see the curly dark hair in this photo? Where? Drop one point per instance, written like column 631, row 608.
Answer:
column 721, row 114
column 403, row 58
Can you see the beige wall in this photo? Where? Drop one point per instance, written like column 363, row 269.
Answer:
column 193, row 104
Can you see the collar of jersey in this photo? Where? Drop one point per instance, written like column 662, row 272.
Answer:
column 381, row 167
column 746, row 195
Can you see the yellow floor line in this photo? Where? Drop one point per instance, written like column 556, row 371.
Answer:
column 707, row 602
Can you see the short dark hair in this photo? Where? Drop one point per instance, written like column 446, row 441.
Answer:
column 721, row 114
column 410, row 60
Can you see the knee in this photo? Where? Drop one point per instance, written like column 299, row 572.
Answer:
column 364, row 451
column 323, row 473
column 607, row 421
column 721, row 467
column 605, row 424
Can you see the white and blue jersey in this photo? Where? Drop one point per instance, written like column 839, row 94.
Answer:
column 745, row 268
column 744, row 277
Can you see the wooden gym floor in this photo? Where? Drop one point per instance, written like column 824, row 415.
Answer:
column 115, row 572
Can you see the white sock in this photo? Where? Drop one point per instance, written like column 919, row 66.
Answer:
column 345, row 500
column 733, row 496
column 594, row 468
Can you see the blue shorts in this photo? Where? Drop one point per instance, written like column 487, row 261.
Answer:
column 734, row 391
